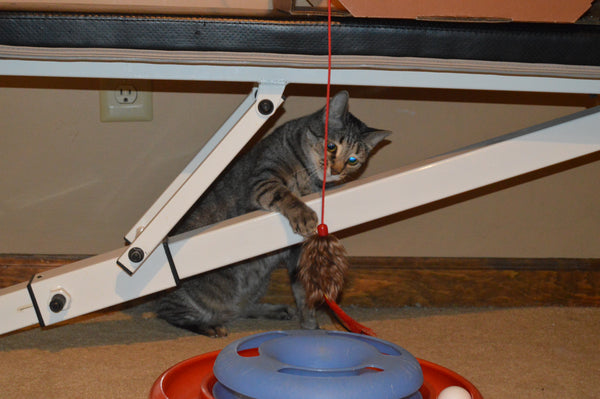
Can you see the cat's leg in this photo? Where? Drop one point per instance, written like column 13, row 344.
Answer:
column 269, row 311
column 181, row 309
column 307, row 316
column 210, row 331
column 303, row 219
column 257, row 273
column 199, row 327
column 272, row 195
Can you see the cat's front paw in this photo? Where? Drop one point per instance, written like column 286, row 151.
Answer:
column 308, row 320
column 303, row 220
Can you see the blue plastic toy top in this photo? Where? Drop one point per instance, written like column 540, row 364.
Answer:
column 304, row 364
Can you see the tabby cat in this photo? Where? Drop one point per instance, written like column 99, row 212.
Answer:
column 273, row 175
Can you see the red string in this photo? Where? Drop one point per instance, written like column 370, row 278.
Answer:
column 351, row 324
column 344, row 318
column 326, row 111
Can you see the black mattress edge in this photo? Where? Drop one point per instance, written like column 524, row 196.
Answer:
column 568, row 44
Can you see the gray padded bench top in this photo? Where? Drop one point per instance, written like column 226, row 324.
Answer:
column 567, row 44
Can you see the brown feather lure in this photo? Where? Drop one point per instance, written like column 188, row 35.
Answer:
column 321, row 269
column 322, row 266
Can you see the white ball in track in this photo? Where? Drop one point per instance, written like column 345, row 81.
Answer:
column 454, row 392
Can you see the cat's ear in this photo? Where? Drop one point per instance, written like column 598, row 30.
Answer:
column 372, row 137
column 338, row 108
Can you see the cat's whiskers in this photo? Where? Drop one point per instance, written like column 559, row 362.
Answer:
column 315, row 172
column 334, row 178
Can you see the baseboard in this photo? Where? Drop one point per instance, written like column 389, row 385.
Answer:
column 20, row 267
column 414, row 281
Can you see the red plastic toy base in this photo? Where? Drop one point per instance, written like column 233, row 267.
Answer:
column 194, row 379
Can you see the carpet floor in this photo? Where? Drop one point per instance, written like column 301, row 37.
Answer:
column 532, row 353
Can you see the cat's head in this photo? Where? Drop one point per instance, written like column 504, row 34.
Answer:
column 349, row 140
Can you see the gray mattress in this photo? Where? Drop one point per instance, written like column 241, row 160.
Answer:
column 566, row 44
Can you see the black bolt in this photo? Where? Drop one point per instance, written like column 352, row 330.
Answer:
column 58, row 302
column 136, row 255
column 266, row 107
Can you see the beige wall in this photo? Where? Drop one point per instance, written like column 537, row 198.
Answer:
column 71, row 184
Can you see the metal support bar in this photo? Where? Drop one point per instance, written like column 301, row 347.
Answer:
column 347, row 76
column 95, row 283
column 88, row 285
column 268, row 99
column 16, row 308
column 192, row 166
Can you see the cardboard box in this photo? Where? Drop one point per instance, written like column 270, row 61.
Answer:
column 559, row 11
column 311, row 7
column 191, row 7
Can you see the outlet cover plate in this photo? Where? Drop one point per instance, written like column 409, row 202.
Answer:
column 112, row 107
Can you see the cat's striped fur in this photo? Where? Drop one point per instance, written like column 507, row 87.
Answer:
column 279, row 169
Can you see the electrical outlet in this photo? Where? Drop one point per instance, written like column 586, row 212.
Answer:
column 126, row 94
column 126, row 101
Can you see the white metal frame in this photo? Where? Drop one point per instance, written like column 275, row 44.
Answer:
column 96, row 282
column 207, row 165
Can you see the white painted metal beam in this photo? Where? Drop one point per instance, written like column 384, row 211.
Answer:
column 217, row 159
column 88, row 285
column 192, row 166
column 346, row 76
column 16, row 308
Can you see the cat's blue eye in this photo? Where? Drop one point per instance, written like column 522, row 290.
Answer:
column 331, row 147
column 352, row 160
